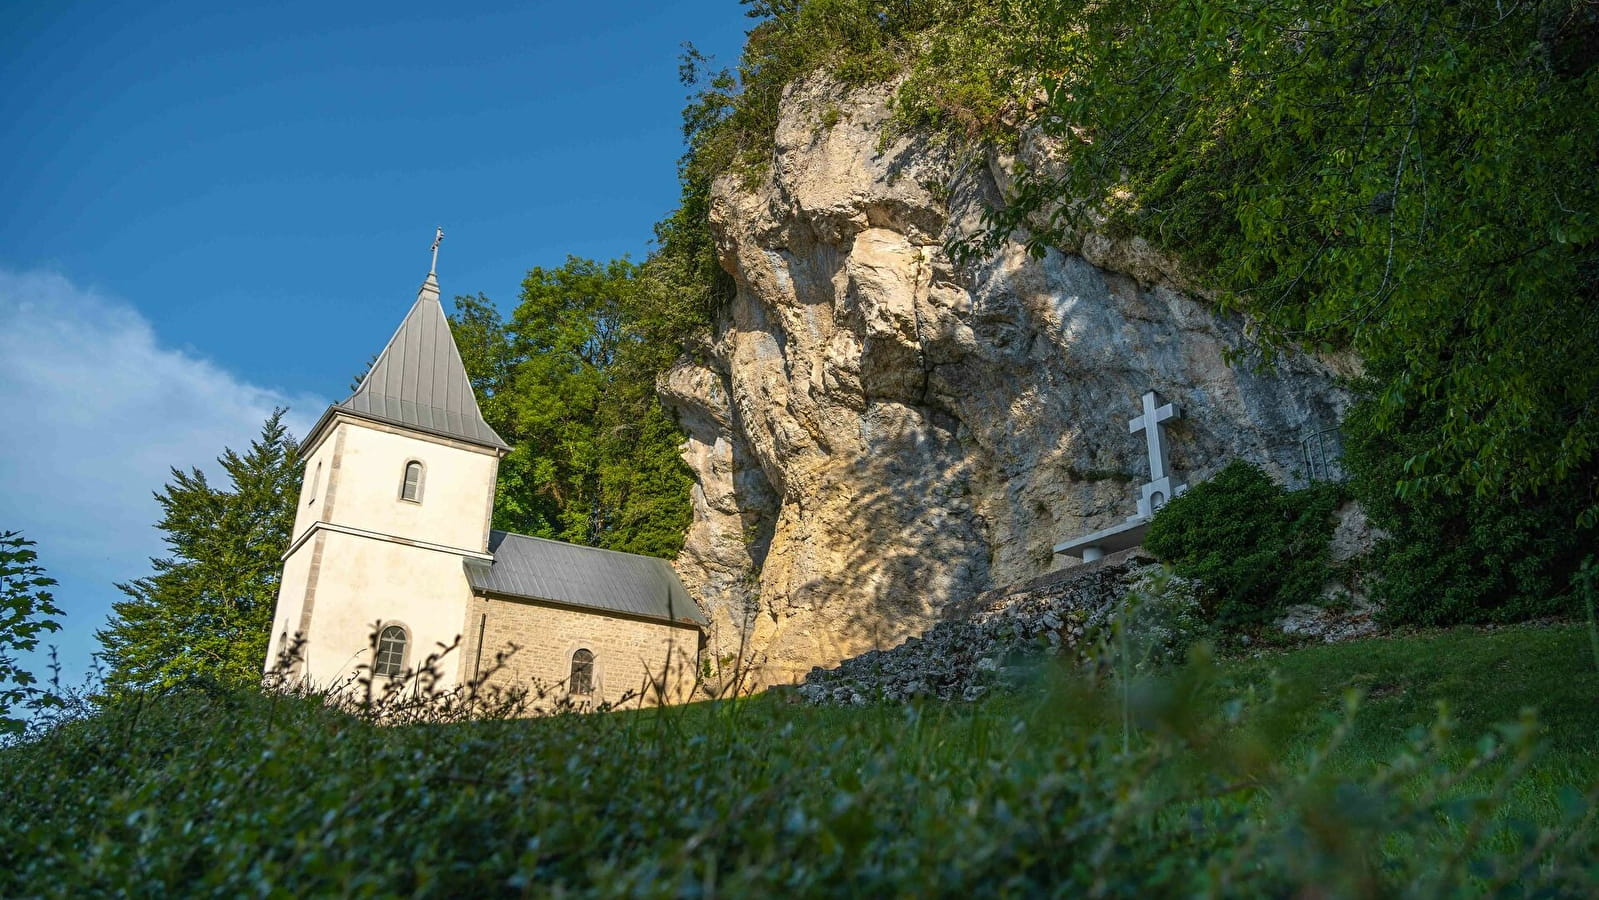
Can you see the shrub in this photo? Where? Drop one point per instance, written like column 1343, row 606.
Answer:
column 1254, row 546
column 1159, row 620
column 1450, row 558
column 218, row 791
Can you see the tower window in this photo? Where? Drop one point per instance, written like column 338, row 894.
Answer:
column 316, row 483
column 390, row 660
column 411, row 487
column 582, row 680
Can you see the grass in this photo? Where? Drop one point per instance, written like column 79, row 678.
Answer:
column 1483, row 677
column 1480, row 679
column 1226, row 789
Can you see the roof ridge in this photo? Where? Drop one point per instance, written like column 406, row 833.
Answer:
column 534, row 537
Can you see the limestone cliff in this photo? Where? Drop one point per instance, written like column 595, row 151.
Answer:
column 877, row 432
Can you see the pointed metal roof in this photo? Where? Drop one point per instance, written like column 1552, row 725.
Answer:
column 419, row 381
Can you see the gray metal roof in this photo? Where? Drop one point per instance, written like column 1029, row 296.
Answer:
column 419, row 382
column 575, row 575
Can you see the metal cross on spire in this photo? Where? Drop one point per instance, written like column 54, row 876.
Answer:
column 438, row 238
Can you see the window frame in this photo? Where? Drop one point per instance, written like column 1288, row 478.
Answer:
column 405, row 650
column 571, row 673
column 421, row 479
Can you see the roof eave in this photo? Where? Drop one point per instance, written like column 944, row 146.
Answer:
column 315, row 435
column 592, row 610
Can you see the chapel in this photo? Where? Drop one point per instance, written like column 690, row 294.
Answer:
column 392, row 537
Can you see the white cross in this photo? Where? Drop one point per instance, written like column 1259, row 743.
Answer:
column 1159, row 490
column 438, row 238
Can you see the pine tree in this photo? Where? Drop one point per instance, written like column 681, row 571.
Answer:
column 207, row 609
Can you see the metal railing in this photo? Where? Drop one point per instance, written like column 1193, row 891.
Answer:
column 1323, row 454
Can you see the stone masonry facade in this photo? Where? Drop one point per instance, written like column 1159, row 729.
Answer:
column 630, row 654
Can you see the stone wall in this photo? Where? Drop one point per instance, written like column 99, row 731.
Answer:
column 629, row 654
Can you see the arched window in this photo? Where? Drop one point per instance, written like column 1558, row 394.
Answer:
column 582, row 680
column 391, row 652
column 411, row 488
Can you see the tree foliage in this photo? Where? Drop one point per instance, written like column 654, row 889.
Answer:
column 1412, row 181
column 207, row 609
column 1450, row 559
column 26, row 610
column 569, row 382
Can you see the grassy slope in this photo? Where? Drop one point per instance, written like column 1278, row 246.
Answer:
column 1484, row 677
column 228, row 794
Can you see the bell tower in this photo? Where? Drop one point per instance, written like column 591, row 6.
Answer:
column 397, row 496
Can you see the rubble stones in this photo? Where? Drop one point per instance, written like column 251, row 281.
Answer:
column 1329, row 625
column 977, row 646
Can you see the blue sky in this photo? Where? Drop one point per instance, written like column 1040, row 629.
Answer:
column 210, row 209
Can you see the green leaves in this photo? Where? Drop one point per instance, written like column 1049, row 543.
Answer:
column 206, row 611
column 1402, row 181
column 569, row 382
column 1255, row 547
column 1233, row 782
column 1453, row 558
column 26, row 608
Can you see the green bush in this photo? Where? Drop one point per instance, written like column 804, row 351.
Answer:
column 1254, row 546
column 217, row 791
column 1450, row 558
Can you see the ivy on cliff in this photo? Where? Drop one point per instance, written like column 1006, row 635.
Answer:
column 1410, row 181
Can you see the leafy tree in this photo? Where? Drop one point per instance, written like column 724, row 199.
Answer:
column 479, row 333
column 1449, row 559
column 207, row 609
column 569, row 382
column 25, row 610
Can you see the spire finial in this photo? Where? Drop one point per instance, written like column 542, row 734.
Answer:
column 437, row 239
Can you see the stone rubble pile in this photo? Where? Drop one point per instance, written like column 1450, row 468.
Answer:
column 1332, row 624
column 967, row 654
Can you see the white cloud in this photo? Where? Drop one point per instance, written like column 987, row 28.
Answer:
column 96, row 411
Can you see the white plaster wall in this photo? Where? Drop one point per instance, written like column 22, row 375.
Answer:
column 364, row 581
column 312, row 502
column 457, row 487
column 291, row 598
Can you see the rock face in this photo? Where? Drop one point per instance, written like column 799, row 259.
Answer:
column 878, row 432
